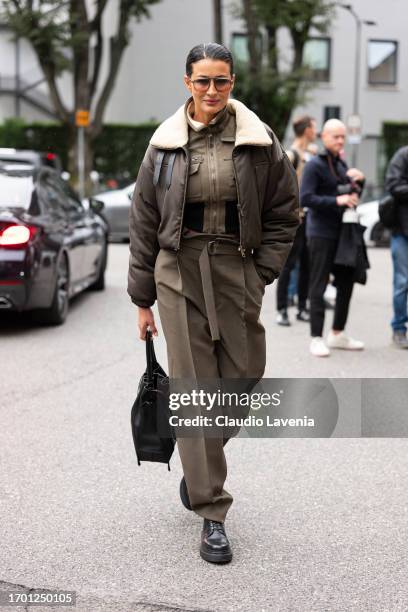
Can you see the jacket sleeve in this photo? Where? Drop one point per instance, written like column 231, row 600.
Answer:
column 396, row 179
column 144, row 221
column 308, row 196
column 280, row 217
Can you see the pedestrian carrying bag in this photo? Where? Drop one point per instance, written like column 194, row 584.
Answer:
column 387, row 211
column 153, row 436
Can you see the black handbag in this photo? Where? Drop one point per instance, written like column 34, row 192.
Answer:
column 153, row 436
column 387, row 211
column 351, row 250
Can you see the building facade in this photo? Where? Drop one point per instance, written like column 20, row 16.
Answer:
column 150, row 84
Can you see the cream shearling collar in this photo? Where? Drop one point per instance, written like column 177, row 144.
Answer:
column 173, row 132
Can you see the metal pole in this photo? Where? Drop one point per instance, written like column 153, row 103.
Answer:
column 17, row 69
column 81, row 162
column 217, row 9
column 356, row 82
column 357, row 72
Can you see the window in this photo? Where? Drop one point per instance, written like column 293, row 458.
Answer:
column 15, row 191
column 51, row 194
column 331, row 112
column 73, row 205
column 239, row 47
column 382, row 62
column 317, row 58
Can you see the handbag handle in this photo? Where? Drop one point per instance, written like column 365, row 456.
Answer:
column 150, row 355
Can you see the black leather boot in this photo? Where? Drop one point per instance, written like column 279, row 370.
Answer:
column 185, row 500
column 215, row 546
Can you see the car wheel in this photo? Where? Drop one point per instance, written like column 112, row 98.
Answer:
column 57, row 312
column 99, row 284
column 380, row 235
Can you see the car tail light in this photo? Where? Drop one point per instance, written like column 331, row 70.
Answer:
column 16, row 235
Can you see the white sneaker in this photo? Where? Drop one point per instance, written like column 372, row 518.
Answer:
column 318, row 347
column 341, row 341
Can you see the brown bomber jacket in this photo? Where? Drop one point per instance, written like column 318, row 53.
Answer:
column 268, row 199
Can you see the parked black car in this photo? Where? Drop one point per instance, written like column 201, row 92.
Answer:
column 51, row 248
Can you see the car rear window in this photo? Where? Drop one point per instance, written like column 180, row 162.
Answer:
column 31, row 158
column 18, row 160
column 16, row 187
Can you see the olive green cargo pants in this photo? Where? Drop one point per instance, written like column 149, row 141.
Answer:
column 209, row 299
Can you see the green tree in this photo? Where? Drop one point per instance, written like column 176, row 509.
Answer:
column 68, row 36
column 271, row 85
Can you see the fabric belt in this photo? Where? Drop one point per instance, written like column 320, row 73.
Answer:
column 209, row 246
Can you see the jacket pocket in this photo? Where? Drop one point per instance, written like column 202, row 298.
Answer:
column 255, row 286
column 226, row 177
column 195, row 183
column 259, row 275
column 194, row 167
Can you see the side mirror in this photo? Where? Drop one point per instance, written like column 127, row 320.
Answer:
column 96, row 205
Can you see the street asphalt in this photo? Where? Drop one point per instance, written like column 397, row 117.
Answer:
column 317, row 524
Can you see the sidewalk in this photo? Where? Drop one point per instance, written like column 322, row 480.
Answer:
column 317, row 525
column 369, row 320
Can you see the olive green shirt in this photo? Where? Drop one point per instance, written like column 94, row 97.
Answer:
column 211, row 183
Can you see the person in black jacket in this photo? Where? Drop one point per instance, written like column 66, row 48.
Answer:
column 396, row 183
column 328, row 188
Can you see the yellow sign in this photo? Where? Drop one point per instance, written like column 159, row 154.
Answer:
column 82, row 118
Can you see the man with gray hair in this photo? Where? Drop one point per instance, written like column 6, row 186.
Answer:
column 328, row 188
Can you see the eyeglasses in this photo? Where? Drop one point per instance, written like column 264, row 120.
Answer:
column 220, row 83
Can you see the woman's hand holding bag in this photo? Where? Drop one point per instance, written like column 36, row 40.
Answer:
column 145, row 321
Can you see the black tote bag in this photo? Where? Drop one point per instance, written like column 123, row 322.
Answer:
column 387, row 211
column 153, row 436
column 351, row 250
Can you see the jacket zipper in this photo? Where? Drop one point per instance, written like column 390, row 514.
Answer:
column 240, row 248
column 184, row 198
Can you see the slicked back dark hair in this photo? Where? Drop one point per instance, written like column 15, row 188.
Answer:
column 212, row 51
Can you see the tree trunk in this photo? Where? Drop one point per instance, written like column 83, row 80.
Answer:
column 298, row 46
column 272, row 48
column 252, row 32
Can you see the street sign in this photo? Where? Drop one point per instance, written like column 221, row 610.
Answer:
column 354, row 129
column 82, row 118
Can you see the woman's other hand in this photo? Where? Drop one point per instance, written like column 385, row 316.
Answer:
column 355, row 174
column 146, row 319
column 349, row 200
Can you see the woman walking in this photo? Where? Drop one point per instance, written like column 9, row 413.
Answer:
column 213, row 217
